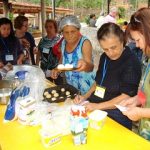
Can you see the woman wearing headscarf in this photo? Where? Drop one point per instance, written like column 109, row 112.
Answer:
column 76, row 50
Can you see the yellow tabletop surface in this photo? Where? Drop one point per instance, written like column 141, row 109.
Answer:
column 14, row 136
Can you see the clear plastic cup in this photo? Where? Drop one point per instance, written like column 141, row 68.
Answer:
column 5, row 95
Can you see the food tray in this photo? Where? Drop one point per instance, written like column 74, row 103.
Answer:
column 57, row 95
column 66, row 69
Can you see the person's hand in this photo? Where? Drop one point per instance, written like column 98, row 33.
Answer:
column 133, row 113
column 131, row 102
column 35, row 50
column 78, row 99
column 81, row 66
column 25, row 43
column 54, row 74
column 90, row 106
column 19, row 62
column 20, row 59
column 1, row 65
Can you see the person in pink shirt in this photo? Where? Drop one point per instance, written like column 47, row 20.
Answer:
column 111, row 17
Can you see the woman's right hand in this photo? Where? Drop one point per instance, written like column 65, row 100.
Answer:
column 78, row 99
column 1, row 65
column 54, row 74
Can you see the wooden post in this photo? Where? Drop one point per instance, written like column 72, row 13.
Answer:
column 53, row 9
column 108, row 5
column 5, row 8
column 43, row 16
column 148, row 3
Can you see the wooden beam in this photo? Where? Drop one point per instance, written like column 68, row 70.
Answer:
column 26, row 8
column 5, row 8
column 43, row 16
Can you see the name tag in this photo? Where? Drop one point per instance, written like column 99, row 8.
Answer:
column 46, row 50
column 100, row 91
column 9, row 57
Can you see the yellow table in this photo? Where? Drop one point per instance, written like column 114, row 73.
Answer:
column 14, row 136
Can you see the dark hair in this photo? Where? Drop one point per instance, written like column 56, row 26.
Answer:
column 19, row 20
column 7, row 21
column 109, row 29
column 53, row 22
column 140, row 22
column 92, row 15
column 125, row 23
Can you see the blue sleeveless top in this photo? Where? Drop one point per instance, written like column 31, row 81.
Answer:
column 80, row 80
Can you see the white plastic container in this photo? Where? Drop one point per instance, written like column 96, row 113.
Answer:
column 50, row 135
column 97, row 119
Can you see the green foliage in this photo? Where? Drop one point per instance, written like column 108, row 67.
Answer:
column 37, row 1
column 88, row 3
column 133, row 3
column 63, row 3
column 121, row 11
column 87, row 19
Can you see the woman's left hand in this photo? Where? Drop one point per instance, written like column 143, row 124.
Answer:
column 20, row 59
column 133, row 113
column 81, row 66
column 19, row 62
column 91, row 106
column 35, row 50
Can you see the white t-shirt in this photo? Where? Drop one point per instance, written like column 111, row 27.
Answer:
column 100, row 21
column 109, row 18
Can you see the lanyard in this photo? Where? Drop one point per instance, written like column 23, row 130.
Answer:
column 104, row 71
column 5, row 45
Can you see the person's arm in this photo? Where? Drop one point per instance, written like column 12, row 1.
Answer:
column 110, row 104
column 86, row 63
column 92, row 89
column 1, row 64
column 136, row 113
column 20, row 59
column 131, row 102
column 38, row 56
column 20, row 54
column 80, row 98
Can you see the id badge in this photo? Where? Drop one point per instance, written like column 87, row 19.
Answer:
column 46, row 50
column 100, row 91
column 9, row 57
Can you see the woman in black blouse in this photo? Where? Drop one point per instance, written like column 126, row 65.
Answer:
column 118, row 75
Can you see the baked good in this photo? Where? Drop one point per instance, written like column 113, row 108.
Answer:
column 68, row 66
column 62, row 89
column 67, row 93
column 53, row 91
column 56, row 95
column 60, row 66
column 46, row 93
column 48, row 96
